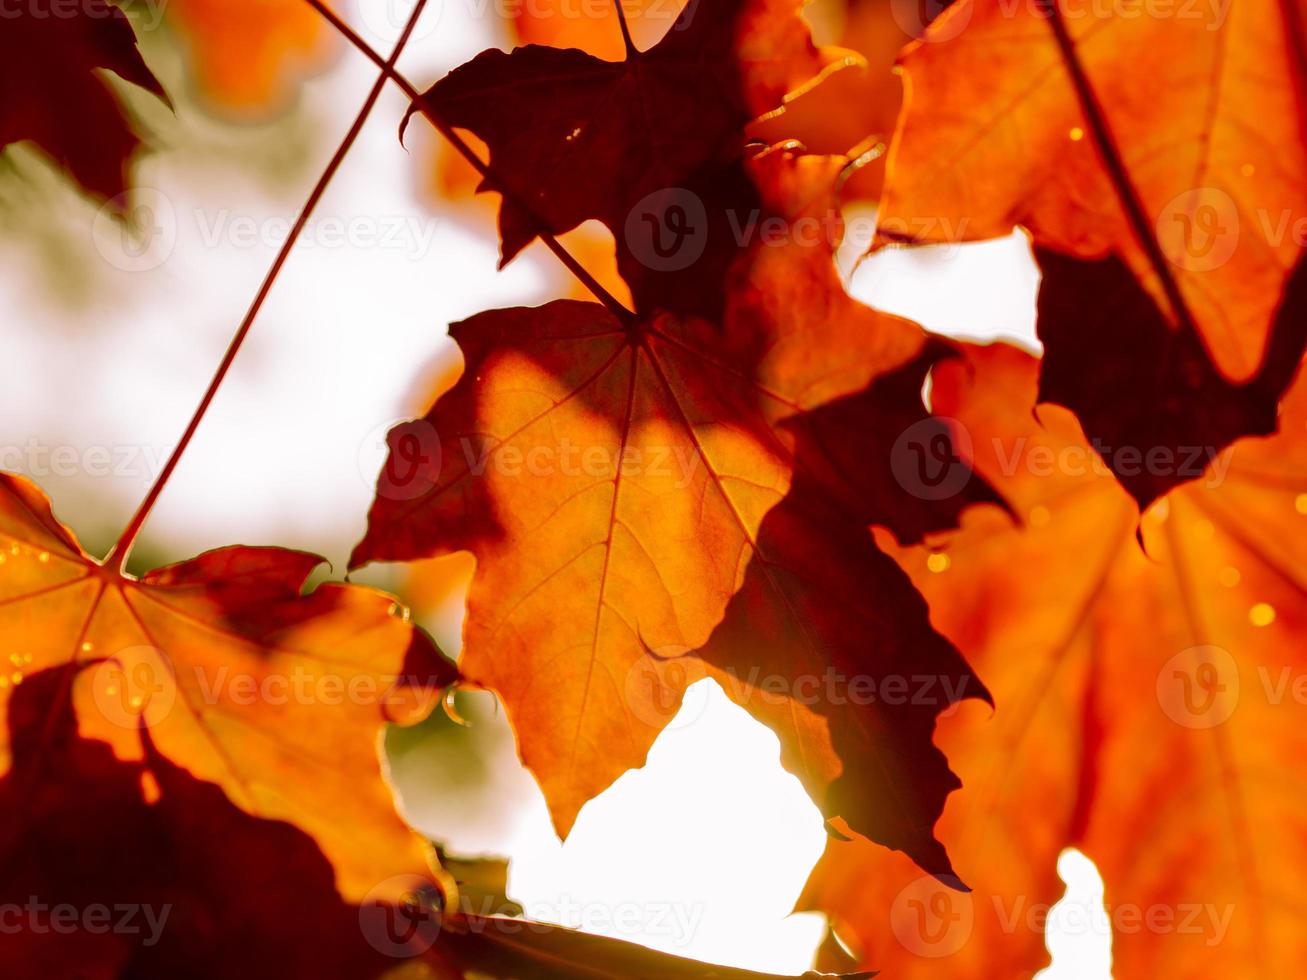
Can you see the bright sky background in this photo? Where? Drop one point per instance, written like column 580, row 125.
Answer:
column 108, row 349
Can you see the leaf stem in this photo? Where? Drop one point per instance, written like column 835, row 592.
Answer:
column 116, row 560
column 631, row 51
column 1126, row 191
column 610, row 302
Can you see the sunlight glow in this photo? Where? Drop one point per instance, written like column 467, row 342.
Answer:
column 701, row 853
column 1078, row 934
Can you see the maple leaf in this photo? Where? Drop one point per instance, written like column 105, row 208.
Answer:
column 1146, row 707
column 853, row 107
column 611, row 481
column 50, row 93
column 1061, row 136
column 165, row 877
column 830, row 645
column 648, row 145
column 276, row 696
column 997, row 142
column 1178, row 403
column 193, row 885
column 248, row 56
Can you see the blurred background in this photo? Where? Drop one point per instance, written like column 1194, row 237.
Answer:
column 110, row 333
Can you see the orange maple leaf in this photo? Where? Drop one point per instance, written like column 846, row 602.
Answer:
column 1148, row 708
column 1043, row 113
column 274, row 695
column 612, row 480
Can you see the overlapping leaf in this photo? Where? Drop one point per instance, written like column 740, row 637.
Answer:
column 854, row 106
column 1203, row 104
column 1149, row 708
column 191, row 885
column 830, row 645
column 1043, row 114
column 274, row 695
column 612, row 481
column 164, row 877
column 51, row 91
column 1165, row 400
column 652, row 141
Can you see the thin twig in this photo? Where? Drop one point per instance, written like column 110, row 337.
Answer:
column 611, row 302
column 117, row 557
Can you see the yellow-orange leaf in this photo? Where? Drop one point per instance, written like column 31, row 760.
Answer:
column 276, row 696
column 611, row 480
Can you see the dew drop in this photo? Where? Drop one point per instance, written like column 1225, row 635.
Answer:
column 1262, row 614
column 1039, row 516
column 1076, row 134
column 939, row 563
